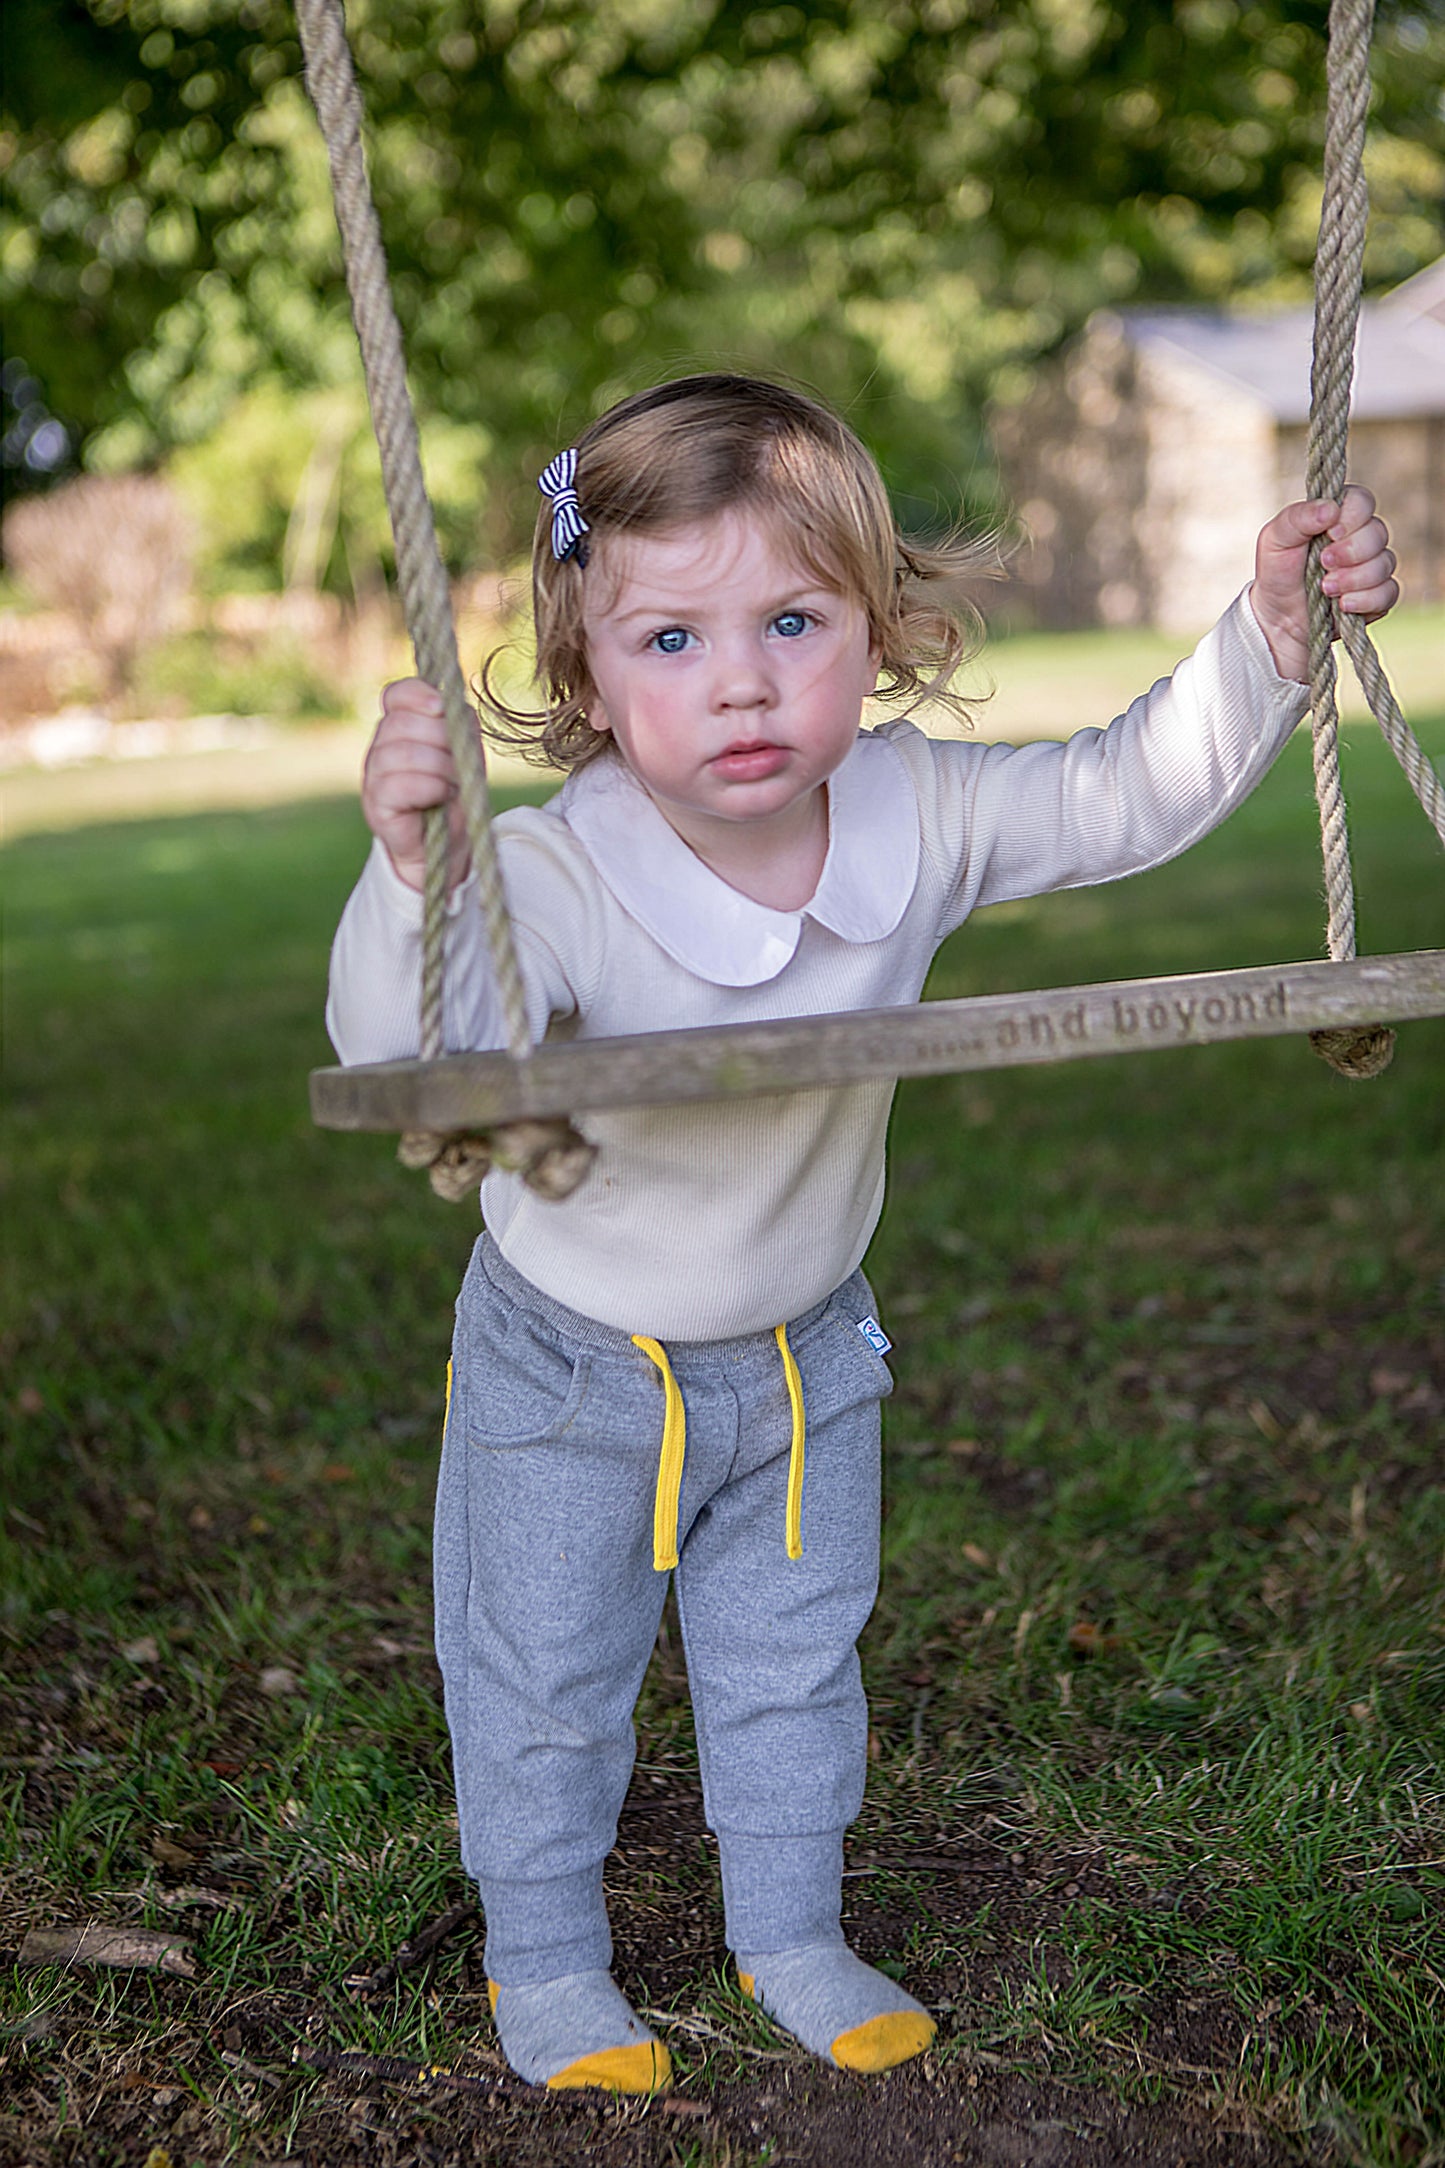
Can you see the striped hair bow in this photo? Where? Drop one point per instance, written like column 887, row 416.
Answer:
column 557, row 483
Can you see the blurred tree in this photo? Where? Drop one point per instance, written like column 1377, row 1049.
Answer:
column 114, row 552
column 904, row 202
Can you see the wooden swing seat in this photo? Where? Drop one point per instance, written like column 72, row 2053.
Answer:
column 984, row 1031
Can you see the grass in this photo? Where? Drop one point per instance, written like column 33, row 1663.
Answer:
column 1158, row 1673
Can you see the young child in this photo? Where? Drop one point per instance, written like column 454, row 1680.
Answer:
column 679, row 1367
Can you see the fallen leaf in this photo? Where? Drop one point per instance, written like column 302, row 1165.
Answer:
column 1385, row 1383
column 200, row 1517
column 144, row 1651
column 1087, row 1639
column 1266, row 1421
column 1362, row 1712
column 29, row 1400
column 965, row 1448
column 158, row 2157
column 336, row 1471
column 126, row 1948
column 976, row 1555
column 258, row 1525
column 170, row 1854
column 276, row 1679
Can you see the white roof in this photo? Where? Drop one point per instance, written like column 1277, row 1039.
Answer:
column 1423, row 295
column 1399, row 355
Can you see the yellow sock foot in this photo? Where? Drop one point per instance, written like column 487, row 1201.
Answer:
column 578, row 2031
column 854, row 2017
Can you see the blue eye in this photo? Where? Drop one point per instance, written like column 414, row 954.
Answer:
column 788, row 624
column 671, row 641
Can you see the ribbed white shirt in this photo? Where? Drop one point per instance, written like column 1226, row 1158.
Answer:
column 699, row 1222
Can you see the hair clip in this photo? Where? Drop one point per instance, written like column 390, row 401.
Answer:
column 557, row 483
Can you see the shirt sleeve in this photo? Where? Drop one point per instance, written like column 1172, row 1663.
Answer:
column 1020, row 820
column 374, row 994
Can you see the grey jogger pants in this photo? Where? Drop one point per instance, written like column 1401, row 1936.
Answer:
column 550, row 1523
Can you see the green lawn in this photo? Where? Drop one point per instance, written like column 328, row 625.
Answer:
column 1158, row 1674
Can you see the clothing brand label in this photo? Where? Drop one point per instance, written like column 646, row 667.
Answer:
column 874, row 1334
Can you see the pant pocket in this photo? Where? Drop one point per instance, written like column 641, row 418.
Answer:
column 520, row 1387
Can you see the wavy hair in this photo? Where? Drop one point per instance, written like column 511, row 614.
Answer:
column 701, row 445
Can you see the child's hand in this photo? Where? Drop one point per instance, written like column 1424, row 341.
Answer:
column 1358, row 564
column 408, row 768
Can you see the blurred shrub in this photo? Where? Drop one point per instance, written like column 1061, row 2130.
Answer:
column 287, row 492
column 196, row 673
column 114, row 552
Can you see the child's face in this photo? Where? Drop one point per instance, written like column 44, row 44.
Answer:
column 732, row 682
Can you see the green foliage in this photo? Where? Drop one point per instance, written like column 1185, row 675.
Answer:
column 903, row 204
column 197, row 673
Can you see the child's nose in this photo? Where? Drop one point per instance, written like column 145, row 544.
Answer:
column 742, row 679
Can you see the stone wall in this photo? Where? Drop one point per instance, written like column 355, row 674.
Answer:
column 1073, row 457
column 1140, row 479
column 1209, row 488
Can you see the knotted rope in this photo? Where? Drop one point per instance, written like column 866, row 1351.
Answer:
column 550, row 1156
column 1361, row 1051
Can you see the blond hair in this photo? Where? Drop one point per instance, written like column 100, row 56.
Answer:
column 701, row 445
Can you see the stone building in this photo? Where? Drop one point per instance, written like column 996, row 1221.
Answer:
column 1152, row 450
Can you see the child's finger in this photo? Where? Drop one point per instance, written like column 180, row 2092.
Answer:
column 1356, row 509
column 1373, row 601
column 413, row 693
column 1364, row 546
column 1298, row 524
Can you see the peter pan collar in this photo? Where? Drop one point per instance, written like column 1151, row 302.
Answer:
column 713, row 930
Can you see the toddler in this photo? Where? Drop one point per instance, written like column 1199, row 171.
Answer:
column 678, row 1369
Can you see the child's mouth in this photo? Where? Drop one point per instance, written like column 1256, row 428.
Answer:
column 750, row 762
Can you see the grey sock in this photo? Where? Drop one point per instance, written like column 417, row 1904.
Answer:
column 579, row 2030
column 852, row 2016
column 782, row 1892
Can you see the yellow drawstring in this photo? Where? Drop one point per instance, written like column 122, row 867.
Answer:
column 794, row 1520
column 667, row 1504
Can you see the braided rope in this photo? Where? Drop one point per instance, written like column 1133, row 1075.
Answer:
column 421, row 576
column 1420, row 771
column 1339, row 265
column 1339, row 260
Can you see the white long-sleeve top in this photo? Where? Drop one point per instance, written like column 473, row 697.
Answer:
column 699, row 1222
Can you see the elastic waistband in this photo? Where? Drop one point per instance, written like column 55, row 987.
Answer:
column 568, row 1324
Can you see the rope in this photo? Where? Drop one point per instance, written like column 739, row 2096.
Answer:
column 550, row 1156
column 1339, row 262
column 421, row 576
